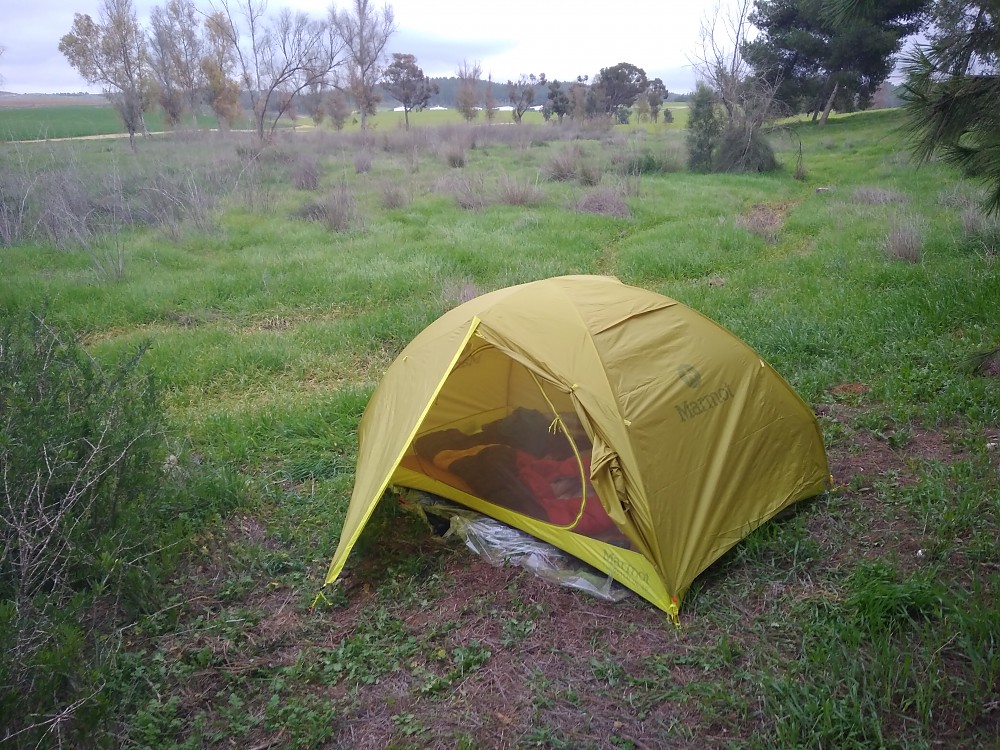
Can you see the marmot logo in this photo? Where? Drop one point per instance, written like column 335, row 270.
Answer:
column 691, row 409
column 689, row 375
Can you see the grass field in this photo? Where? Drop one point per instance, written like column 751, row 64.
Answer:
column 274, row 288
column 23, row 123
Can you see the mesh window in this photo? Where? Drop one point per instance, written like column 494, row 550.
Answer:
column 498, row 432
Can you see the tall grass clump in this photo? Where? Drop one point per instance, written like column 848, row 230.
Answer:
column 514, row 191
column 470, row 192
column 392, row 195
column 876, row 196
column 905, row 242
column 565, row 164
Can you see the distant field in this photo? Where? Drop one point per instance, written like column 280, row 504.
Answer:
column 48, row 117
column 71, row 121
column 12, row 101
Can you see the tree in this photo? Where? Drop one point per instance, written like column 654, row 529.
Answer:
column 656, row 93
column 365, row 31
column 952, row 91
column 489, row 100
column 276, row 57
column 176, row 53
column 580, row 96
column 111, row 52
column 814, row 59
column 558, row 100
column 337, row 107
column 704, row 127
column 2, row 50
column 747, row 101
column 621, row 85
column 407, row 84
column 218, row 65
column 467, row 96
column 521, row 94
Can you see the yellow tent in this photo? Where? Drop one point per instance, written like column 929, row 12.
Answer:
column 610, row 421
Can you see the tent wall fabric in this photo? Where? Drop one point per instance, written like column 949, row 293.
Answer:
column 611, row 421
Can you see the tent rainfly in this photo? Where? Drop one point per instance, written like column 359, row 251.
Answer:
column 612, row 422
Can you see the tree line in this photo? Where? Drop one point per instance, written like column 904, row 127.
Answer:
column 808, row 56
column 234, row 52
column 236, row 55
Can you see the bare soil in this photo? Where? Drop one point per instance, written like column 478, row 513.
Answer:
column 563, row 669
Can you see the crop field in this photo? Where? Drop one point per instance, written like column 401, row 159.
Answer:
column 268, row 289
column 26, row 119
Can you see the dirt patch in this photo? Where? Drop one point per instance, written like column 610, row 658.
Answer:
column 892, row 452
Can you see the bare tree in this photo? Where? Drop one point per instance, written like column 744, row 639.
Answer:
column 112, row 52
column 2, row 50
column 365, row 31
column 176, row 53
column 277, row 57
column 467, row 96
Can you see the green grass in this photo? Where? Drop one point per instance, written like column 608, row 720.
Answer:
column 71, row 121
column 268, row 332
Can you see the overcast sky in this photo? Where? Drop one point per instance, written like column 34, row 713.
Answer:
column 559, row 38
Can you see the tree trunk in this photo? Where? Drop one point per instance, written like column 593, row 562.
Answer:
column 829, row 104
column 406, row 116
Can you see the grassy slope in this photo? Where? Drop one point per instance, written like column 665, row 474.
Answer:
column 866, row 617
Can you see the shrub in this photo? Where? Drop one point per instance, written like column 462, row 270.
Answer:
column 455, row 156
column 80, row 451
column 471, row 192
column 393, row 195
column 306, row 174
column 743, row 149
column 603, row 201
column 339, row 210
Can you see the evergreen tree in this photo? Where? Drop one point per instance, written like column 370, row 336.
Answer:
column 704, row 129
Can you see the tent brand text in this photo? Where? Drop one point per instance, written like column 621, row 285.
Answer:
column 623, row 568
column 691, row 409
